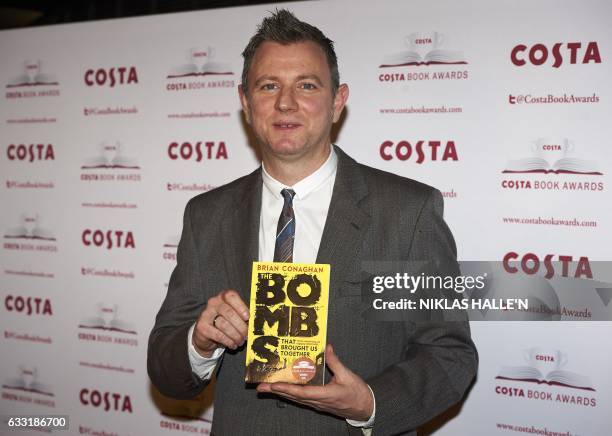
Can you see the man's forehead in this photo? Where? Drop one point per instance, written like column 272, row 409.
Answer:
column 307, row 56
column 272, row 50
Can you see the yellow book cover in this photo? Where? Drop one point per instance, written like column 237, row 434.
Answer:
column 287, row 323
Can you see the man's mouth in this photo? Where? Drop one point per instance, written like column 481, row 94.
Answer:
column 286, row 126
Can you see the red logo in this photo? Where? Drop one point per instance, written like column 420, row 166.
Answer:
column 28, row 305
column 571, row 52
column 108, row 238
column 111, row 76
column 106, row 400
column 531, row 264
column 421, row 150
column 187, row 151
column 30, row 152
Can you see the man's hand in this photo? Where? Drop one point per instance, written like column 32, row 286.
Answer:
column 223, row 323
column 346, row 395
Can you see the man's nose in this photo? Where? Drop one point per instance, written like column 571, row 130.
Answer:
column 286, row 101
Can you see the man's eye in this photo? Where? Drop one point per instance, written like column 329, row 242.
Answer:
column 268, row 86
column 309, row 86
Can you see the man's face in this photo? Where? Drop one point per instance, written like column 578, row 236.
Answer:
column 289, row 102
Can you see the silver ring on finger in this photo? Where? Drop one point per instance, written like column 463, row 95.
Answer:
column 215, row 320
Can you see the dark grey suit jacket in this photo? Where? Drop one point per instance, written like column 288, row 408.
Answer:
column 416, row 370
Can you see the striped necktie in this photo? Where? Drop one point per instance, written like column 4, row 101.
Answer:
column 285, row 231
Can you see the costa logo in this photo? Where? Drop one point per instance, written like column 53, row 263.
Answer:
column 111, row 76
column 28, row 305
column 509, row 391
column 106, row 400
column 538, row 54
column 108, row 238
column 30, row 152
column 424, row 150
column 544, row 358
column 530, row 264
column 188, row 151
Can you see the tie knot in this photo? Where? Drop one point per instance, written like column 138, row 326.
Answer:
column 288, row 195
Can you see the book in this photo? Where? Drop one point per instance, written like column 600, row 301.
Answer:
column 565, row 165
column 189, row 70
column 414, row 58
column 287, row 323
column 110, row 157
column 200, row 63
column 557, row 377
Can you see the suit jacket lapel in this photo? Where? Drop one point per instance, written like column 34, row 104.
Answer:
column 241, row 233
column 346, row 222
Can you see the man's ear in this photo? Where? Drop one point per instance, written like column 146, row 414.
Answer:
column 244, row 102
column 340, row 99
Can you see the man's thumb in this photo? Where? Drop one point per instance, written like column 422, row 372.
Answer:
column 333, row 362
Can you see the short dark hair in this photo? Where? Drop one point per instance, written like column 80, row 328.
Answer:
column 284, row 27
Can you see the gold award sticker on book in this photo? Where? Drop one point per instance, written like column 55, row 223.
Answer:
column 287, row 323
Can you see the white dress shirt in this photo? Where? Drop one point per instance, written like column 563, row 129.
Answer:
column 310, row 205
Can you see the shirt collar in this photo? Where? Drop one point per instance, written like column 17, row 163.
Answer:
column 308, row 184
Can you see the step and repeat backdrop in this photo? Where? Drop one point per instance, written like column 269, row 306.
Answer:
column 108, row 128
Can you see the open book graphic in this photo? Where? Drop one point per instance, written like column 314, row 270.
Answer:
column 22, row 233
column 27, row 381
column 113, row 326
column 551, row 156
column 117, row 162
column 200, row 63
column 433, row 57
column 32, row 76
column 557, row 377
column 39, row 80
column 107, row 320
column 29, row 228
column 110, row 157
column 210, row 68
column 566, row 165
column 424, row 49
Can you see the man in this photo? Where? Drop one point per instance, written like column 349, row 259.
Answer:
column 388, row 377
